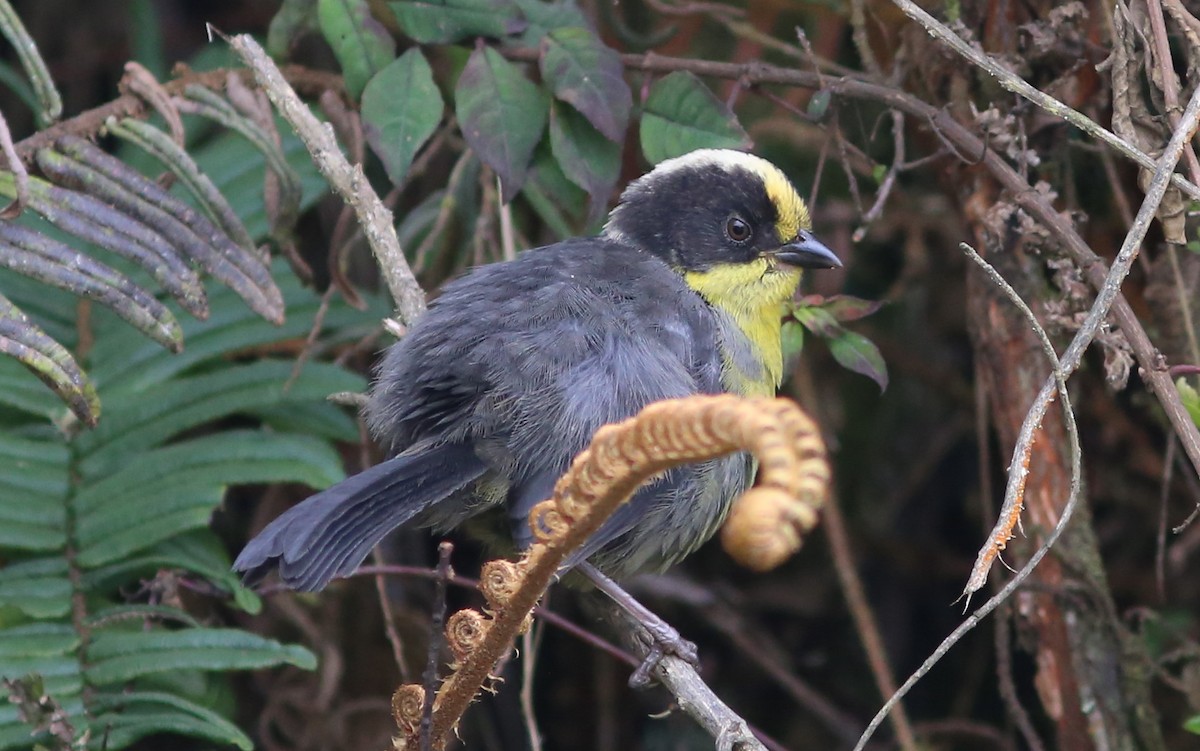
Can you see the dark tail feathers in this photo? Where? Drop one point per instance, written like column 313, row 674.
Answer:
column 329, row 534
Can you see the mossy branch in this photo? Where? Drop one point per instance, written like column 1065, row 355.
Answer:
column 767, row 523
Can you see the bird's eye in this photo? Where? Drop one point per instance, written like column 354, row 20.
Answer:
column 737, row 229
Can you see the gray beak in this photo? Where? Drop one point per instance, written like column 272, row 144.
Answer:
column 807, row 252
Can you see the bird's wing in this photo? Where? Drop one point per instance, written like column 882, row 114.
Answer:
column 525, row 360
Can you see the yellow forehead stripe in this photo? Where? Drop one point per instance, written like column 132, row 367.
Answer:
column 793, row 213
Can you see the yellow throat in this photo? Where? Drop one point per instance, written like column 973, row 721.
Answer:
column 753, row 295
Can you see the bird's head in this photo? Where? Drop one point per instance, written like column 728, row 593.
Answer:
column 715, row 209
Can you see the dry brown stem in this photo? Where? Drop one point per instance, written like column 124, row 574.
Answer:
column 792, row 486
column 349, row 181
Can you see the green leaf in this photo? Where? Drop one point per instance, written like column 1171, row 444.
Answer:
column 502, row 114
column 793, row 339
column 818, row 320
column 401, row 109
column 197, row 551
column 36, row 640
column 1192, row 724
column 39, row 587
column 818, row 105
column 362, row 45
column 544, row 17
column 121, row 656
column 587, row 158
column 1190, row 399
column 552, row 195
column 586, row 74
column 293, row 19
column 143, row 420
column 857, row 353
column 140, row 713
column 682, row 115
column 449, row 21
column 184, row 482
column 843, row 308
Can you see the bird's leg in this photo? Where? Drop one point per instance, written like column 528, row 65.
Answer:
column 664, row 639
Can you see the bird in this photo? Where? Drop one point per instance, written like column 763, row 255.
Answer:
column 492, row 392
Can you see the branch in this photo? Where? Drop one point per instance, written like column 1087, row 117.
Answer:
column 349, row 182
column 1021, row 87
column 1063, row 367
column 620, row 458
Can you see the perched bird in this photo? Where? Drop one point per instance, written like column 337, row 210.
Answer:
column 514, row 367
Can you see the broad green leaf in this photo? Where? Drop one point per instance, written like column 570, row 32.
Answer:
column 117, row 657
column 21, row 391
column 681, row 115
column 401, row 109
column 818, row 105
column 1192, row 724
column 1190, row 399
column 112, row 513
column 121, row 531
column 502, row 114
column 449, row 21
column 123, row 361
column 587, row 158
column 141, row 713
column 60, row 675
column 119, row 615
column 36, row 640
column 544, row 17
column 38, row 466
column 857, row 353
column 143, row 420
column 362, row 45
column 557, row 200
column 817, row 320
column 316, row 419
column 197, row 551
column 291, row 21
column 218, row 460
column 586, row 74
column 38, row 588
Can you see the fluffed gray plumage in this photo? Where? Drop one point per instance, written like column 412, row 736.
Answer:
column 508, row 375
column 545, row 350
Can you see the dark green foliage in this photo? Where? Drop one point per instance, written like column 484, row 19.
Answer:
column 85, row 520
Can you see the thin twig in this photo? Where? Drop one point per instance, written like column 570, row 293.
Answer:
column 889, row 179
column 864, row 618
column 49, row 101
column 429, row 679
column 389, row 618
column 1160, row 537
column 348, row 181
column 1021, row 87
column 17, row 168
column 1018, row 470
column 530, row 641
column 1004, row 675
column 1059, row 378
column 508, row 246
column 1170, row 81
